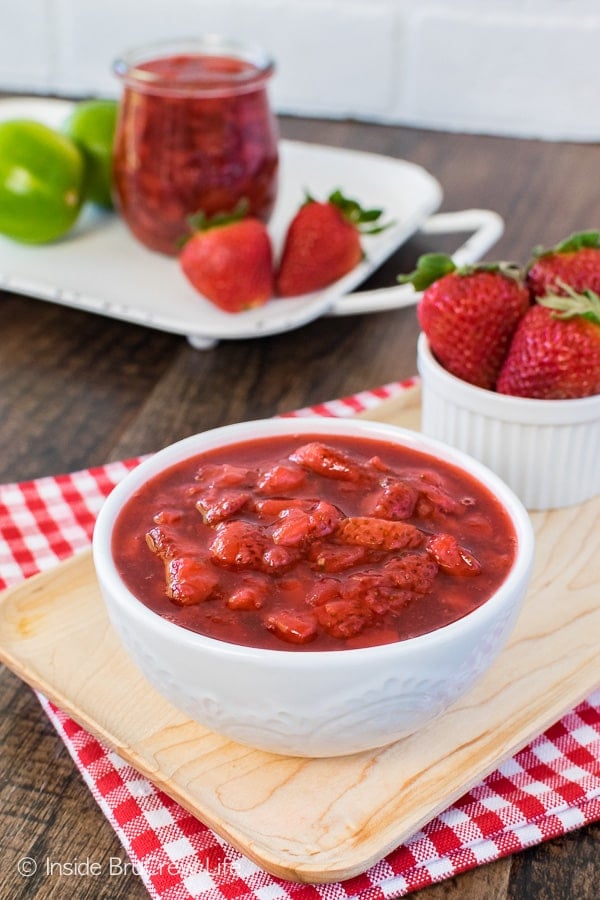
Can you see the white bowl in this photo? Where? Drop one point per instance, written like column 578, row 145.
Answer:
column 547, row 451
column 319, row 703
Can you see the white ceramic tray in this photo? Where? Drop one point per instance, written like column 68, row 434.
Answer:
column 101, row 268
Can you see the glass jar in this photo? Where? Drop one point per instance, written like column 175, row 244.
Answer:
column 195, row 133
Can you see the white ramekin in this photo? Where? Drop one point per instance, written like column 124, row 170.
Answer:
column 547, row 451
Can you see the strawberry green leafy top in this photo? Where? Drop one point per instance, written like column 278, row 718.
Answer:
column 585, row 304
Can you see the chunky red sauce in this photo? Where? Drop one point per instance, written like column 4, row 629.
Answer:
column 314, row 543
column 199, row 135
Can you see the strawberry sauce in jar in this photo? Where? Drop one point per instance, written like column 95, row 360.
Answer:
column 195, row 134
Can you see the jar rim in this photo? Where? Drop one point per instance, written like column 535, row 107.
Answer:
column 129, row 66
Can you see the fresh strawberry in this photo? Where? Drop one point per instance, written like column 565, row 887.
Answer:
column 469, row 314
column 229, row 259
column 323, row 243
column 555, row 352
column 575, row 263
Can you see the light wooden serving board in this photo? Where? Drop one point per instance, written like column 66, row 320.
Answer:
column 326, row 819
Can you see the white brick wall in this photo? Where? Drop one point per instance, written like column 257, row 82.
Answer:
column 514, row 67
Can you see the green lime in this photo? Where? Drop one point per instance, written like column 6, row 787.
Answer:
column 41, row 182
column 92, row 126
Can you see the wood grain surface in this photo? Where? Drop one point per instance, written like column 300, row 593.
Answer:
column 78, row 390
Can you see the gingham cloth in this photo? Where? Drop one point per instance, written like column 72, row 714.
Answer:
column 549, row 788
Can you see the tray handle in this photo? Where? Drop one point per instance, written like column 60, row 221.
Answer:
column 487, row 227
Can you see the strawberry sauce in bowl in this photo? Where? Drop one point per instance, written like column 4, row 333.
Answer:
column 313, row 587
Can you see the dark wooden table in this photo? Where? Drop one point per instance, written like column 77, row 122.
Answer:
column 77, row 390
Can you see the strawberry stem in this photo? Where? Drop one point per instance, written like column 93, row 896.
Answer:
column 586, row 304
column 361, row 218
column 430, row 267
column 577, row 241
column 433, row 266
column 199, row 221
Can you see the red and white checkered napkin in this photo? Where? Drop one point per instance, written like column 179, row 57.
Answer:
column 549, row 788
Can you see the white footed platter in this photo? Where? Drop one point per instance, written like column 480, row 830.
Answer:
column 101, row 268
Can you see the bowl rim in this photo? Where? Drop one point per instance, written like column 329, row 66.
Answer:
column 194, row 444
column 525, row 410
